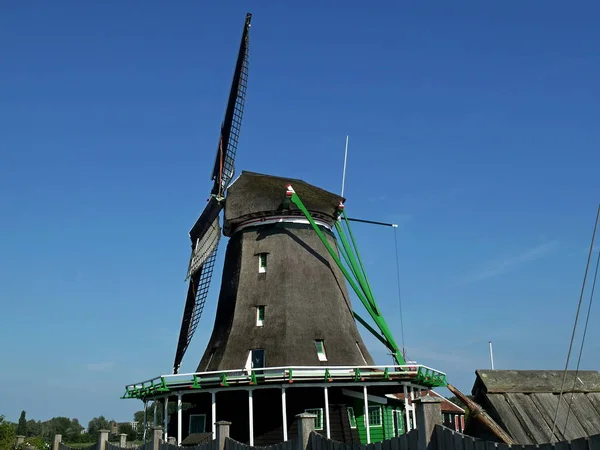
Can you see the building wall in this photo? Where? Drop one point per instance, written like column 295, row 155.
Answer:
column 387, row 429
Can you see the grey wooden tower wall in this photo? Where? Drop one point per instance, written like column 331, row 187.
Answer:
column 302, row 290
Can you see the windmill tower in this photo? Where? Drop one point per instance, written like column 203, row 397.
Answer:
column 284, row 339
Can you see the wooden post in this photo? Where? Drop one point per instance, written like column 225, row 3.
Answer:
column 57, row 441
column 222, row 433
column 166, row 418
column 407, row 407
column 213, row 413
column 154, row 415
column 251, row 417
column 102, row 439
column 284, row 414
column 327, row 430
column 179, row 418
column 366, row 414
column 429, row 414
column 306, row 425
column 156, row 437
column 479, row 413
column 123, row 440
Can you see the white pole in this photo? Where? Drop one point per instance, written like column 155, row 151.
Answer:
column 154, row 414
column 179, row 419
column 284, row 414
column 251, row 417
column 166, row 414
column 413, row 411
column 491, row 356
column 406, row 408
column 366, row 415
column 145, row 418
column 213, row 399
column 327, row 413
column 344, row 172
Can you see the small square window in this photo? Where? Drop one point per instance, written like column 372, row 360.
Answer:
column 319, row 419
column 320, row 346
column 374, row 416
column 262, row 262
column 351, row 417
column 197, row 423
column 260, row 316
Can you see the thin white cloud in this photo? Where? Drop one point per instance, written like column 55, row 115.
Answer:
column 496, row 268
column 106, row 366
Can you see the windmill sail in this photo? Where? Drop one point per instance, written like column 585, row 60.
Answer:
column 224, row 167
column 206, row 231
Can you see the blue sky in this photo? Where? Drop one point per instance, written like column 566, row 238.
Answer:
column 473, row 125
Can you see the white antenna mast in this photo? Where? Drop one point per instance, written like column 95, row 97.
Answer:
column 344, row 172
column 491, row 355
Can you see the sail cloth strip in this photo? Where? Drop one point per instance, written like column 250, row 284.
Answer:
column 205, row 235
column 355, row 274
column 204, row 247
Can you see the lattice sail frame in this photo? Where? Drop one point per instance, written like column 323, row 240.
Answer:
column 206, row 232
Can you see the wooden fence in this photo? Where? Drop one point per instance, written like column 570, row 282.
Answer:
column 231, row 444
column 445, row 439
column 441, row 438
column 212, row 445
column 406, row 441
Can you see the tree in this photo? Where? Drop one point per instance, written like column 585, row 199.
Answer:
column 97, row 424
column 34, row 428
column 129, row 431
column 56, row 425
column 7, row 435
column 454, row 399
column 22, row 425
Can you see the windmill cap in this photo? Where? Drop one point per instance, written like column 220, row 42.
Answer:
column 253, row 195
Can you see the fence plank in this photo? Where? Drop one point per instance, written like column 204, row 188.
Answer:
column 594, row 442
column 449, row 439
column 580, row 444
column 438, row 437
column 313, row 441
column 403, row 442
column 546, row 446
column 479, row 444
column 413, row 440
column 458, row 441
column 469, row 443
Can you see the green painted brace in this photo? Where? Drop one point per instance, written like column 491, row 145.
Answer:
column 361, row 288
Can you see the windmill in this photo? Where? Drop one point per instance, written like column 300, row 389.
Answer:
column 285, row 336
